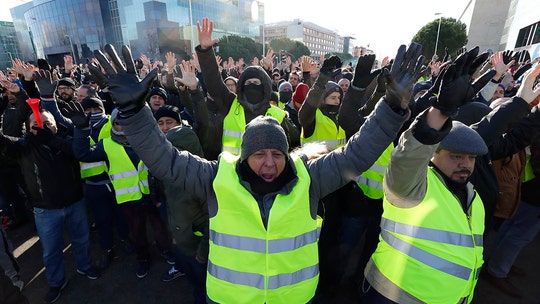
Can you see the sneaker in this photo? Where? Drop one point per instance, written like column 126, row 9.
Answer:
column 54, row 293
column 106, row 259
column 91, row 273
column 172, row 274
column 142, row 270
column 167, row 255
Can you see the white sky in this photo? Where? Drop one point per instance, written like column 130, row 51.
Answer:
column 383, row 24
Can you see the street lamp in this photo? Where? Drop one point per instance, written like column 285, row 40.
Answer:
column 72, row 51
column 255, row 6
column 438, row 31
column 127, row 34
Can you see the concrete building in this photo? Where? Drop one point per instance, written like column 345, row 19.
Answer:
column 53, row 28
column 506, row 25
column 319, row 40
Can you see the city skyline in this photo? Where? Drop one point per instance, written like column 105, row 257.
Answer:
column 360, row 19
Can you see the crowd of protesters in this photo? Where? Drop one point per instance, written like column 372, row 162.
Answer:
column 260, row 179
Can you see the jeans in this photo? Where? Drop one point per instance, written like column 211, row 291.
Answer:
column 352, row 230
column 514, row 234
column 50, row 227
column 195, row 273
column 107, row 213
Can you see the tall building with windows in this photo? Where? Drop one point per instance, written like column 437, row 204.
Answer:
column 506, row 25
column 319, row 40
column 9, row 47
column 54, row 28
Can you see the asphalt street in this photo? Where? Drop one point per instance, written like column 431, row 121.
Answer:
column 119, row 284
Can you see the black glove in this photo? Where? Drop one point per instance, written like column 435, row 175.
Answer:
column 123, row 84
column 456, row 88
column 507, row 56
column 331, row 67
column 403, row 74
column 43, row 135
column 363, row 75
column 75, row 112
column 43, row 80
column 521, row 70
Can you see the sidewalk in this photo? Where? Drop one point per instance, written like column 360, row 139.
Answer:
column 118, row 284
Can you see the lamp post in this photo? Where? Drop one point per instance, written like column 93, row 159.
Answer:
column 72, row 51
column 437, row 40
column 127, row 34
column 191, row 28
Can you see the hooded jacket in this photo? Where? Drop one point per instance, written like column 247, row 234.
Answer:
column 224, row 98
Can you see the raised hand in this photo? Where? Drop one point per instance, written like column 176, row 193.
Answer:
column 128, row 92
column 44, row 82
column 68, row 63
column 456, row 88
column 75, row 112
column 170, row 58
column 205, row 34
column 331, row 66
column 405, row 71
column 188, row 75
column 8, row 84
column 26, row 69
column 527, row 89
column 267, row 61
column 363, row 75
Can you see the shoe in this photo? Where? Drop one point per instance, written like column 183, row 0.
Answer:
column 91, row 273
column 502, row 284
column 167, row 255
column 142, row 270
column 172, row 274
column 127, row 246
column 106, row 259
column 54, row 293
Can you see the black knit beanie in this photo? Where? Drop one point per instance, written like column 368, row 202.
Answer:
column 92, row 102
column 158, row 91
column 263, row 132
column 463, row 139
column 168, row 111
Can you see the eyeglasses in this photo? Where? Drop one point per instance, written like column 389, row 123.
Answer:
column 63, row 89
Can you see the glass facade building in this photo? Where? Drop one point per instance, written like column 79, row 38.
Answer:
column 9, row 47
column 153, row 28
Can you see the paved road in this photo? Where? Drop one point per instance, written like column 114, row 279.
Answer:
column 119, row 284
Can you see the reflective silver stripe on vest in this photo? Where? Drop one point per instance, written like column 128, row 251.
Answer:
column 259, row 245
column 238, row 242
column 429, row 234
column 236, row 277
column 257, row 280
column 235, row 151
column 368, row 182
column 85, row 166
column 127, row 190
column 143, row 167
column 124, row 174
column 286, row 279
column 143, row 183
column 232, row 133
column 378, row 168
column 289, row 244
column 427, row 258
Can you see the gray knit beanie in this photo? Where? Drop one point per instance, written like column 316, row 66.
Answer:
column 263, row 132
column 463, row 139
